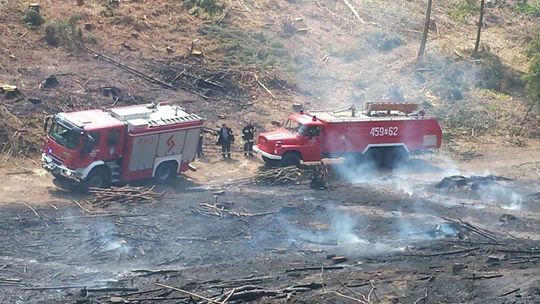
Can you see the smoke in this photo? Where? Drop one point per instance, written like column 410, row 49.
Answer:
column 500, row 194
column 109, row 239
column 341, row 231
column 408, row 176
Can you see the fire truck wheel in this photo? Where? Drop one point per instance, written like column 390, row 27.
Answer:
column 375, row 156
column 270, row 162
column 166, row 171
column 98, row 177
column 290, row 159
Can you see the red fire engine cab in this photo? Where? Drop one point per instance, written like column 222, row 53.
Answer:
column 382, row 132
column 95, row 148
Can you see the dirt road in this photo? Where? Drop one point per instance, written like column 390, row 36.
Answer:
column 403, row 238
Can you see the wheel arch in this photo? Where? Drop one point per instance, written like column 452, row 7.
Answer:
column 90, row 167
column 389, row 145
column 296, row 152
column 173, row 158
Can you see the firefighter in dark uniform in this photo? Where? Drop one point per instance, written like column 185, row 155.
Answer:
column 248, row 134
column 225, row 139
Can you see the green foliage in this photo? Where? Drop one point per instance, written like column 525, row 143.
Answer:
column 533, row 76
column 65, row 33
column 472, row 118
column 461, row 11
column 524, row 7
column 33, row 19
column 246, row 48
column 205, row 9
column 492, row 74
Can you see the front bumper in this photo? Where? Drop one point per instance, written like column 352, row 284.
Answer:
column 266, row 154
column 49, row 164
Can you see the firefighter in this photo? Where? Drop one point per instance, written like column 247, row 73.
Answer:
column 248, row 133
column 225, row 139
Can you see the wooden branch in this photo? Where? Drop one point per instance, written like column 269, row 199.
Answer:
column 450, row 252
column 422, row 298
column 33, row 210
column 485, row 277
column 264, row 87
column 128, row 68
column 510, row 292
column 54, row 287
column 353, row 10
column 315, row 268
column 470, row 227
column 527, row 114
column 229, row 296
column 189, row 293
column 350, row 298
column 80, row 206
column 111, row 289
column 147, row 273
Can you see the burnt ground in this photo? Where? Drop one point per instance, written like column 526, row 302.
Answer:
column 395, row 229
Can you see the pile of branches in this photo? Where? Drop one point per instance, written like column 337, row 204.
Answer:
column 224, row 210
column 17, row 137
column 123, row 195
column 193, row 75
column 283, row 176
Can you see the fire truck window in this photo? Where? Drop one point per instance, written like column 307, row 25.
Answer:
column 113, row 138
column 64, row 136
column 96, row 136
column 313, row 131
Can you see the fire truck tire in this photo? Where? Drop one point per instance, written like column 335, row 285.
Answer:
column 290, row 159
column 375, row 156
column 270, row 162
column 99, row 177
column 166, row 171
column 393, row 156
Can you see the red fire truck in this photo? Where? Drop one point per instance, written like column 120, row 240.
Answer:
column 95, row 148
column 382, row 132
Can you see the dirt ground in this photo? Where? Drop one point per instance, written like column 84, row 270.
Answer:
column 375, row 236
column 277, row 243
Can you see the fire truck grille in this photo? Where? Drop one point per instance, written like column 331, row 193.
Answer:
column 56, row 160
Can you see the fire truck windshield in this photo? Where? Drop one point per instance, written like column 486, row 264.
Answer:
column 64, row 135
column 294, row 127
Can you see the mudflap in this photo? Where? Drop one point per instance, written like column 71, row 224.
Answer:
column 65, row 183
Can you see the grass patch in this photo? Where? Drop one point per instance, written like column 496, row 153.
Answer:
column 468, row 118
column 242, row 48
column 492, row 74
column 64, row 33
column 204, row 9
column 527, row 8
column 33, row 19
column 532, row 78
column 462, row 10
